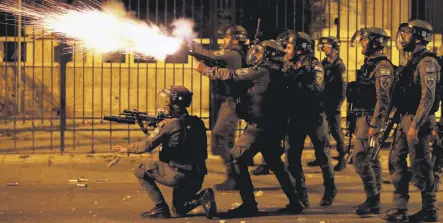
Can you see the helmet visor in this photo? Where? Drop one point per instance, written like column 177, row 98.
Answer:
column 404, row 36
column 255, row 55
column 356, row 38
column 163, row 102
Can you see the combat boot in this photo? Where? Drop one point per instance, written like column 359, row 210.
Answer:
column 244, row 211
column 157, row 212
column 341, row 165
column 229, row 184
column 260, row 170
column 303, row 198
column 295, row 207
column 424, row 215
column 328, row 196
column 207, row 201
column 313, row 163
column 395, row 215
column 370, row 206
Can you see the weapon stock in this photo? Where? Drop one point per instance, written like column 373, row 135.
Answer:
column 207, row 60
column 384, row 133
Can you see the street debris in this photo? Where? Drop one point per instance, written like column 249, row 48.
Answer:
column 234, row 205
column 259, row 193
column 113, row 162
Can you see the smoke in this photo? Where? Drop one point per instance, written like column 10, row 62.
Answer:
column 117, row 8
column 184, row 29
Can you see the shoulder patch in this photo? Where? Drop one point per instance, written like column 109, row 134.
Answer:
column 385, row 82
column 219, row 52
column 242, row 71
column 318, row 68
column 156, row 131
column 319, row 77
column 430, row 80
column 385, row 72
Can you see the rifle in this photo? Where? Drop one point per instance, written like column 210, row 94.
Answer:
column 351, row 119
column 377, row 142
column 207, row 60
column 133, row 116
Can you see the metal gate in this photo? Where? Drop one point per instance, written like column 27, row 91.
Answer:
column 47, row 107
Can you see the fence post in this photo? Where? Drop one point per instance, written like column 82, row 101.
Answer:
column 62, row 57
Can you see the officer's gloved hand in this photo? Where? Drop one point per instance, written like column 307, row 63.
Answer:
column 373, row 132
column 120, row 149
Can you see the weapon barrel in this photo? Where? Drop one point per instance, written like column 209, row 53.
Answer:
column 208, row 60
column 119, row 119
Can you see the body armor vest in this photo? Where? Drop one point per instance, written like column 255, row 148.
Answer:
column 332, row 81
column 190, row 148
column 365, row 93
column 407, row 94
column 259, row 101
column 313, row 102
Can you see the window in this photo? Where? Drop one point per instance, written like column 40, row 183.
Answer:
column 10, row 51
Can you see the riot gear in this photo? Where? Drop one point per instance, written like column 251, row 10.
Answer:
column 235, row 33
column 173, row 100
column 268, row 50
column 372, row 39
column 331, row 42
column 408, row 34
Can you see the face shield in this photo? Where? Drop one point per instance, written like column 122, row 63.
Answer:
column 286, row 37
column 404, row 39
column 359, row 38
column 163, row 102
column 255, row 55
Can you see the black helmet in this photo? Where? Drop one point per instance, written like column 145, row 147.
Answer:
column 268, row 50
column 238, row 32
column 283, row 38
column 408, row 33
column 302, row 41
column 377, row 37
column 174, row 99
column 330, row 41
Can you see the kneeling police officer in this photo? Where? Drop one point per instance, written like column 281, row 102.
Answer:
column 182, row 158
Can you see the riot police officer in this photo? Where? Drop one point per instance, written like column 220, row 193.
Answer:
column 223, row 132
column 261, row 109
column 334, row 95
column 305, row 76
column 419, row 85
column 181, row 163
column 374, row 81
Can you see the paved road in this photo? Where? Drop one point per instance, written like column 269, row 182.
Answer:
column 45, row 195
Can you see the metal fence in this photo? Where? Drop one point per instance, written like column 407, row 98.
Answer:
column 48, row 106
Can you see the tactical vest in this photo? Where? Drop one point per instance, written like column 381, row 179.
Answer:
column 332, row 89
column 407, row 94
column 259, row 101
column 236, row 89
column 365, row 92
column 313, row 104
column 191, row 148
